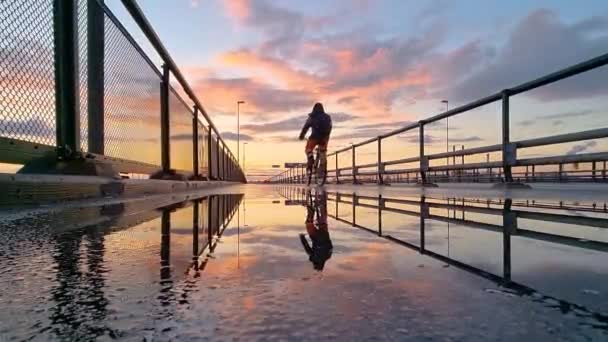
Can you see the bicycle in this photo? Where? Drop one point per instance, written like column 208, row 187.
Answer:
column 319, row 168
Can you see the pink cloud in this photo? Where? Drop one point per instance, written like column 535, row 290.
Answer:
column 238, row 9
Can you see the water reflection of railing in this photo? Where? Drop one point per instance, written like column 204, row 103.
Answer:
column 509, row 210
column 78, row 314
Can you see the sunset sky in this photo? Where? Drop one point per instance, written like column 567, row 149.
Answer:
column 377, row 65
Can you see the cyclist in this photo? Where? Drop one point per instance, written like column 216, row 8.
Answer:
column 320, row 123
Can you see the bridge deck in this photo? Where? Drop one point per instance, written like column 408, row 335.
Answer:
column 406, row 263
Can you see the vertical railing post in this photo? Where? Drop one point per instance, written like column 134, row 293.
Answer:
column 337, row 170
column 165, row 245
column 209, row 151
column 354, row 208
column 226, row 176
column 217, row 157
column 509, row 228
column 228, row 166
column 424, row 214
column 223, row 156
column 195, row 168
column 380, row 207
column 195, row 231
column 593, row 170
column 424, row 163
column 95, row 77
column 210, row 214
column 67, row 94
column 354, row 165
column 508, row 149
column 165, row 121
column 380, row 166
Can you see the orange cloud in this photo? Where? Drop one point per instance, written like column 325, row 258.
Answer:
column 275, row 67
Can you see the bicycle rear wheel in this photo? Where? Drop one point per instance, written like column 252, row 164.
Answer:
column 321, row 170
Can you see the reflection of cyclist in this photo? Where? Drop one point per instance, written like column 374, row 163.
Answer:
column 321, row 248
column 320, row 122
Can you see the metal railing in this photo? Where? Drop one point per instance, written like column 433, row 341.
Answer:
column 80, row 87
column 489, row 171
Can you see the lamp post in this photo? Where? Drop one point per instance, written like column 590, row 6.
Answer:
column 244, row 144
column 447, row 130
column 238, row 129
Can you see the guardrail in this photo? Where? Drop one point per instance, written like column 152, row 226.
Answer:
column 495, row 171
column 79, row 87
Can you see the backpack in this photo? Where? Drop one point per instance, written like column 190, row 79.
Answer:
column 322, row 124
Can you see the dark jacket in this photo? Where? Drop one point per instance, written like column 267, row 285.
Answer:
column 320, row 123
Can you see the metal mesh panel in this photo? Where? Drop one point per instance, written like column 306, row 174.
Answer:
column 132, row 100
column 203, row 159
column 214, row 158
column 27, row 73
column 83, row 70
column 181, row 133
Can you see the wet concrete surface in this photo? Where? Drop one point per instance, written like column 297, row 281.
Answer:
column 277, row 263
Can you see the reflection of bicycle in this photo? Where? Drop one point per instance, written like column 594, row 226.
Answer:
column 319, row 168
column 320, row 249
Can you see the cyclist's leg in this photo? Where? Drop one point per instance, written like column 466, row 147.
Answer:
column 310, row 146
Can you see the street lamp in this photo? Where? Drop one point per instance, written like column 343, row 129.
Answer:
column 447, row 130
column 238, row 129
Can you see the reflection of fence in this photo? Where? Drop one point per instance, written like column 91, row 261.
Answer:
column 79, row 87
column 507, row 210
column 488, row 171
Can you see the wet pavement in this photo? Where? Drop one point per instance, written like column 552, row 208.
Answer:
column 277, row 263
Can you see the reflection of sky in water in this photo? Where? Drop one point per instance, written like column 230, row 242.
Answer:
column 121, row 274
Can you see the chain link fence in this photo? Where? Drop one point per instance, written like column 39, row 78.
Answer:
column 203, row 136
column 181, row 132
column 83, row 72
column 132, row 99
column 121, row 82
column 27, row 86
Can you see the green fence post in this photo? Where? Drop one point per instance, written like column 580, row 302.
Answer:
column 165, row 130
column 67, row 95
column 195, row 167
column 95, row 76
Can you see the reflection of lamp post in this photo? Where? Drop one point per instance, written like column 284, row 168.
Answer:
column 447, row 130
column 238, row 128
column 238, row 237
